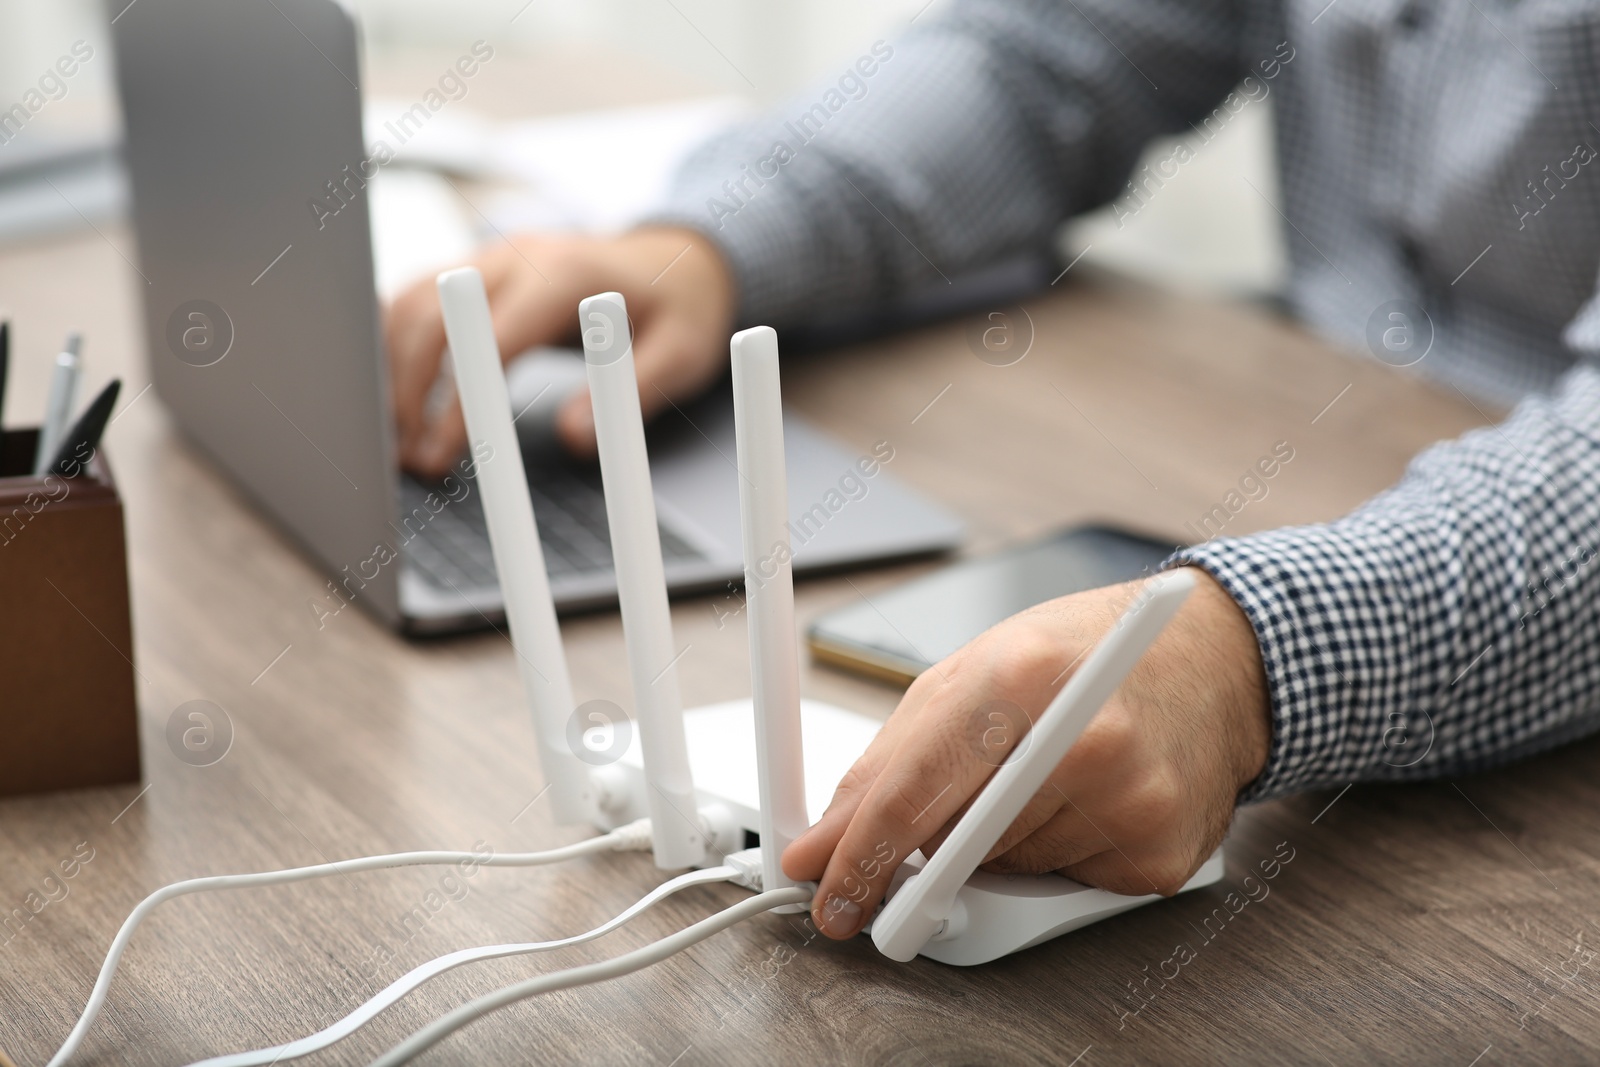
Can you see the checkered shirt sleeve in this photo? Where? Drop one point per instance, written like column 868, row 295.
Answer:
column 1428, row 154
column 1449, row 624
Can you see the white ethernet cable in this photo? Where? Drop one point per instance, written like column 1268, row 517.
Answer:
column 634, row 837
column 414, row 978
column 616, row 967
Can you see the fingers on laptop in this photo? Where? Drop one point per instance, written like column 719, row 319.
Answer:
column 534, row 283
column 414, row 337
column 526, row 312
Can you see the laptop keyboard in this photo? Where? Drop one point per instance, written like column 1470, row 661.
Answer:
column 451, row 547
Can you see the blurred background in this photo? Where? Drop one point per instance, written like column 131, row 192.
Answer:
column 1208, row 230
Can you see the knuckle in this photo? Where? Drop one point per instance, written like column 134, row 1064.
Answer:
column 1159, row 799
column 1169, row 873
column 906, row 803
column 855, row 782
column 563, row 256
column 1111, row 736
column 580, row 263
column 1031, row 651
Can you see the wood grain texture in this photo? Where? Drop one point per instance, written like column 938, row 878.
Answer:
column 1413, row 924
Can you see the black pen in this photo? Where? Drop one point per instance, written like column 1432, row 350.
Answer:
column 5, row 364
column 79, row 443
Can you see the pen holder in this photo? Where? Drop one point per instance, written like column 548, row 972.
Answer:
column 68, row 716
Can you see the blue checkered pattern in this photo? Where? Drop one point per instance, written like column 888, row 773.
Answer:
column 1448, row 624
column 1440, row 152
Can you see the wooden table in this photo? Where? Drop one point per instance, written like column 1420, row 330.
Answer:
column 1419, row 923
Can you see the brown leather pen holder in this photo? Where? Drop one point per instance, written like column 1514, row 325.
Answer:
column 68, row 715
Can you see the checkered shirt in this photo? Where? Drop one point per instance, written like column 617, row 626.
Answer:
column 1437, row 161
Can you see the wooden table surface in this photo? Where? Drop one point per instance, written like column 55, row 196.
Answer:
column 1439, row 923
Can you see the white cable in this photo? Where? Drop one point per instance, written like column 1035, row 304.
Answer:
column 633, row 837
column 627, row 963
column 403, row 986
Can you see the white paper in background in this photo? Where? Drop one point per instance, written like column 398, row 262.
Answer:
column 456, row 139
column 420, row 225
column 601, row 170
column 593, row 170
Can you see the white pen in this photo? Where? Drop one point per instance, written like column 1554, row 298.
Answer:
column 58, row 408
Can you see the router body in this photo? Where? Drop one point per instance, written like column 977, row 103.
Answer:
column 722, row 757
column 994, row 915
column 998, row 914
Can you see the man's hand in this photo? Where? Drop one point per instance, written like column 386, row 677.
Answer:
column 1137, row 805
column 680, row 297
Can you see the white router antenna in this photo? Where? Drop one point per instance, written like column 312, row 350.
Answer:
column 920, row 909
column 641, row 581
column 769, row 595
column 514, row 539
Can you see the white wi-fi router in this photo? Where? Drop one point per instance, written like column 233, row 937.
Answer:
column 716, row 779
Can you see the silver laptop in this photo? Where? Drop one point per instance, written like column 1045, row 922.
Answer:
column 261, row 323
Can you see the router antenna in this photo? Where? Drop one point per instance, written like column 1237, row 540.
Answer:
column 641, row 581
column 514, row 538
column 769, row 595
column 923, row 904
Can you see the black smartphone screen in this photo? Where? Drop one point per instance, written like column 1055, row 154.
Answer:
column 906, row 630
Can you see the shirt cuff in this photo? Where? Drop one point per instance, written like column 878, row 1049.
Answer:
column 1329, row 607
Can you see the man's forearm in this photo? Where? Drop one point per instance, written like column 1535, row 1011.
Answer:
column 968, row 138
column 1448, row 624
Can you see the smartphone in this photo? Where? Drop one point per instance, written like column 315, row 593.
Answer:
column 901, row 633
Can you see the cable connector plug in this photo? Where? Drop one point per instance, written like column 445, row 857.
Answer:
column 747, row 862
column 631, row 837
column 748, row 873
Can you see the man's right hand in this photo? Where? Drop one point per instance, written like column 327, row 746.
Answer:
column 680, row 297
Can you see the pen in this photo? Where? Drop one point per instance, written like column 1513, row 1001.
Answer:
column 58, row 409
column 79, row 443
column 5, row 365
